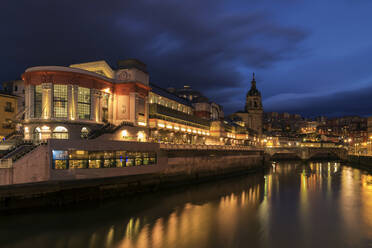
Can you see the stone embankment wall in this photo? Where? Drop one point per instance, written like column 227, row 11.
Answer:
column 363, row 162
column 182, row 168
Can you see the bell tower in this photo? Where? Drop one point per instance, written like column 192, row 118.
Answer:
column 253, row 106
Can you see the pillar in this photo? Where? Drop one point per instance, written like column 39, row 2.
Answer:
column 95, row 105
column 72, row 91
column 47, row 101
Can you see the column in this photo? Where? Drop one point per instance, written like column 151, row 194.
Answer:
column 29, row 101
column 94, row 105
column 72, row 101
column 47, row 101
column 132, row 107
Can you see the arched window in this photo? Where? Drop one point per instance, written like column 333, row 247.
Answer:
column 84, row 133
column 37, row 134
column 141, row 136
column 60, row 133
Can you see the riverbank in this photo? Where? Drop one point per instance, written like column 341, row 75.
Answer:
column 360, row 162
column 183, row 168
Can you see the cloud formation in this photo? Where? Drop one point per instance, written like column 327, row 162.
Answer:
column 213, row 45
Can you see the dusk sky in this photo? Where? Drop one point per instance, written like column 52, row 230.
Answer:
column 310, row 57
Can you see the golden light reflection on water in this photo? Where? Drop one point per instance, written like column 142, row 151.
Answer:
column 366, row 197
column 232, row 214
column 191, row 226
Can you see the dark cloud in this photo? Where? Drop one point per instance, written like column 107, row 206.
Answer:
column 335, row 104
column 181, row 41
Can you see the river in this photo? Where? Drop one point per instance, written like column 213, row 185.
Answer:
column 292, row 204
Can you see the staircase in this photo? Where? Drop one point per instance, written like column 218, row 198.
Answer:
column 108, row 128
column 18, row 150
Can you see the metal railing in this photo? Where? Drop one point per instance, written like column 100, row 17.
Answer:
column 207, row 147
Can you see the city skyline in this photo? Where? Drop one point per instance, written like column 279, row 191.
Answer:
column 214, row 47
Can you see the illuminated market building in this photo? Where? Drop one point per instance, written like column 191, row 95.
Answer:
column 86, row 99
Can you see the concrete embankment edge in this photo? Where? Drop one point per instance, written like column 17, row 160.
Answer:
column 360, row 162
column 62, row 193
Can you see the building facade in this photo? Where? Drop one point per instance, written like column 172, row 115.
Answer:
column 74, row 102
column 8, row 112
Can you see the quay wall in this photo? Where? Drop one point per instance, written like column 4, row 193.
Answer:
column 363, row 162
column 174, row 168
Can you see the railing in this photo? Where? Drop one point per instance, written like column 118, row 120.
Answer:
column 6, row 163
column 206, row 147
column 157, row 110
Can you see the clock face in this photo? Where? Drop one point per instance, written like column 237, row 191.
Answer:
column 123, row 75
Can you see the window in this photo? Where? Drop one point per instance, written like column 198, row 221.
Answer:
column 15, row 88
column 84, row 133
column 79, row 159
column 60, row 159
column 60, row 101
column 7, row 124
column 8, row 107
column 37, row 134
column 84, row 103
column 38, row 101
column 60, row 133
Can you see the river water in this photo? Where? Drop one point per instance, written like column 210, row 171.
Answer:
column 291, row 205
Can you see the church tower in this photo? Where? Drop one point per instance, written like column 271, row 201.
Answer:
column 252, row 115
column 253, row 106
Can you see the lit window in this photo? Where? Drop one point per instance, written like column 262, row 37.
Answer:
column 37, row 101
column 60, row 101
column 60, row 133
column 84, row 103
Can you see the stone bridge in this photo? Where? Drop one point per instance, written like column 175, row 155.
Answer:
column 306, row 152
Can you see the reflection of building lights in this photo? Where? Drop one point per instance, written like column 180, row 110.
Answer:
column 208, row 133
column 27, row 129
column 199, row 132
column 203, row 133
column 183, row 129
column 161, row 125
column 194, row 131
column 142, row 123
column 169, row 126
column 107, row 90
column 124, row 133
column 189, row 130
column 176, row 128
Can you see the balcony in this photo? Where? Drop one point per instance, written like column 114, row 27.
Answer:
column 168, row 114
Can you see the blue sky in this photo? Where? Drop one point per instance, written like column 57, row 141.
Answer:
column 310, row 57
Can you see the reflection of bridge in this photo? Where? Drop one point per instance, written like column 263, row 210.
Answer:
column 306, row 152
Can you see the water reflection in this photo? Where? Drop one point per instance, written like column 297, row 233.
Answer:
column 291, row 205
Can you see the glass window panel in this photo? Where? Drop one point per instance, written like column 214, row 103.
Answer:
column 138, row 158
column 109, row 163
column 78, row 154
column 78, row 164
column 109, row 155
column 60, row 164
column 96, row 155
column 60, row 101
column 94, row 164
column 84, row 103
column 38, row 101
column 59, row 154
column 120, row 162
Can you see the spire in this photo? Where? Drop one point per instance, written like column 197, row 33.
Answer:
column 253, row 81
